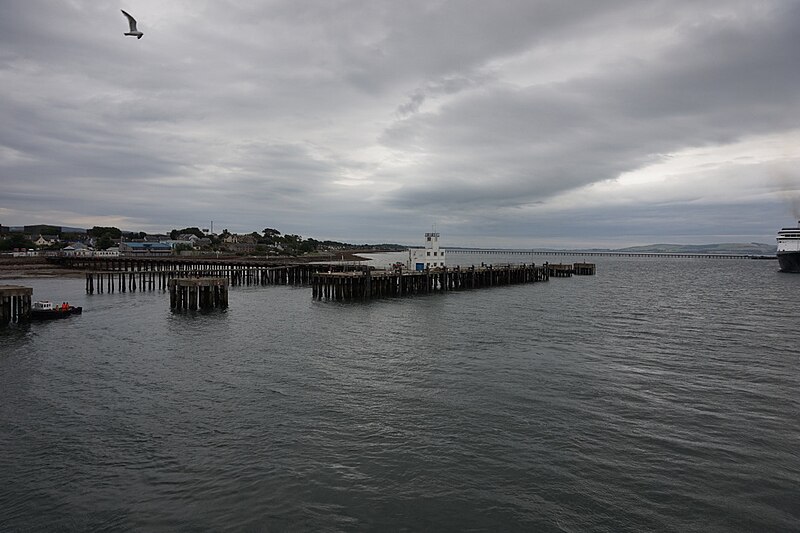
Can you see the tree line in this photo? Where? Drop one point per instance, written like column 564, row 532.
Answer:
column 269, row 241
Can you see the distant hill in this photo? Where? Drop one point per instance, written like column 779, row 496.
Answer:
column 752, row 248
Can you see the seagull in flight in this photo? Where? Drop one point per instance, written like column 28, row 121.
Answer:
column 132, row 23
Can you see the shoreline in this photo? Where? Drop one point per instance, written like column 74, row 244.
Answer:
column 39, row 267
column 34, row 267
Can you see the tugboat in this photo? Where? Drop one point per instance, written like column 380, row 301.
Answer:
column 45, row 310
column 789, row 249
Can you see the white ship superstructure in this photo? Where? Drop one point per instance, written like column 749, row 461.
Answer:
column 789, row 249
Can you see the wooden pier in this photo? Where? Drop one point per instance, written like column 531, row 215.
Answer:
column 560, row 270
column 132, row 274
column 369, row 283
column 15, row 304
column 584, row 269
column 198, row 293
column 331, row 281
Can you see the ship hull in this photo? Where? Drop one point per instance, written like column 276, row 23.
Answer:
column 789, row 261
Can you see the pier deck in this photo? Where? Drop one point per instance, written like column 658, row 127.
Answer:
column 369, row 283
column 198, row 293
column 333, row 281
column 15, row 303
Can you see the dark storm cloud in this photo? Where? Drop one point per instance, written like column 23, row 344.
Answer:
column 358, row 117
column 720, row 83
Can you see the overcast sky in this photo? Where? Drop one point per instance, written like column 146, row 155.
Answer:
column 503, row 124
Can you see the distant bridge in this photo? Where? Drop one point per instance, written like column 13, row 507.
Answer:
column 603, row 254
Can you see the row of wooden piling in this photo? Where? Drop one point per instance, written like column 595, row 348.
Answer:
column 330, row 281
column 561, row 270
column 198, row 293
column 15, row 304
column 369, row 283
column 110, row 281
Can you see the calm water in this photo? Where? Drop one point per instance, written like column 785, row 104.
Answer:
column 659, row 395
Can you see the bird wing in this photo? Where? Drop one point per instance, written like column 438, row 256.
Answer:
column 131, row 20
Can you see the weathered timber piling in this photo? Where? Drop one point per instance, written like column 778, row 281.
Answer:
column 558, row 270
column 130, row 274
column 369, row 283
column 583, row 269
column 198, row 293
column 15, row 304
column 566, row 270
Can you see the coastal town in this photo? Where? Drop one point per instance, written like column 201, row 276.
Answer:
column 99, row 241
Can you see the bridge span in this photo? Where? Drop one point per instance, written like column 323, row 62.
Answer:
column 451, row 251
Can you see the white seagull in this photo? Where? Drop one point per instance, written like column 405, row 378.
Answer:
column 132, row 23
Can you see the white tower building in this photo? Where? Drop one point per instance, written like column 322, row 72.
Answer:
column 429, row 257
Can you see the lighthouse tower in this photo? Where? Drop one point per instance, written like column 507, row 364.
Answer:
column 429, row 257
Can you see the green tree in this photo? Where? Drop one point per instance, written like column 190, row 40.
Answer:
column 309, row 245
column 271, row 236
column 194, row 231
column 99, row 231
column 104, row 242
column 15, row 241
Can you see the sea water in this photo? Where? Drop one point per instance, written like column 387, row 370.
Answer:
column 657, row 395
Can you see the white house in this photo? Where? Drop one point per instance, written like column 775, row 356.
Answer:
column 110, row 252
column 77, row 248
column 46, row 240
column 188, row 237
column 429, row 257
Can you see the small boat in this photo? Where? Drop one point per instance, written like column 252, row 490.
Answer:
column 45, row 310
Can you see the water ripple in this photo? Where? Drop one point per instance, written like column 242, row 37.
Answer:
column 654, row 396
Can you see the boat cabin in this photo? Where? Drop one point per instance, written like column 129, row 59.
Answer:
column 43, row 305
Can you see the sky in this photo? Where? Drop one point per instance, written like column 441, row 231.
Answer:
column 514, row 124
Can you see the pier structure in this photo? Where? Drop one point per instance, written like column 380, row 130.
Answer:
column 198, row 293
column 369, row 283
column 335, row 281
column 560, row 270
column 584, row 269
column 582, row 253
column 130, row 274
column 15, row 303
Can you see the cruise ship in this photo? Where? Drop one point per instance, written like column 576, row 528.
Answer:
column 789, row 249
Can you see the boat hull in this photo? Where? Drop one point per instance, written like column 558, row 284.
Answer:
column 54, row 314
column 789, row 261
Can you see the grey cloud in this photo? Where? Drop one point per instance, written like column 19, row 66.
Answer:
column 413, row 104
column 447, row 86
column 525, row 144
column 241, row 111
